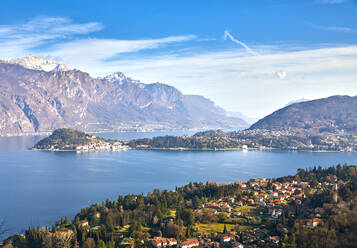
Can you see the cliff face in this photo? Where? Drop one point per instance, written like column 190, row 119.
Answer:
column 34, row 101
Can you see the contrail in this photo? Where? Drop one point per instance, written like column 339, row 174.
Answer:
column 280, row 74
column 247, row 48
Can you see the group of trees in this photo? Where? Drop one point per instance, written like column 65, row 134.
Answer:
column 3, row 228
column 160, row 213
column 66, row 138
column 189, row 142
column 253, row 138
column 340, row 226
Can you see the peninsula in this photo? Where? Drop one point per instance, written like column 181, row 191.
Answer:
column 66, row 139
column 254, row 139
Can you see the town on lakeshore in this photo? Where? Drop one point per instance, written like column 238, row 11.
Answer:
column 178, row 124
column 72, row 140
column 314, row 208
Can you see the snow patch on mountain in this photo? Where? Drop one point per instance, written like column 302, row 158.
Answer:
column 119, row 78
column 35, row 62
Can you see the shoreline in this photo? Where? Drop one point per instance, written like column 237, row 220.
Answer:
column 188, row 150
column 104, row 131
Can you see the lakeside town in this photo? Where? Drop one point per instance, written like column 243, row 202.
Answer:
column 73, row 140
column 292, row 211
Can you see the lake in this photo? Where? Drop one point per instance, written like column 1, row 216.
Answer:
column 37, row 187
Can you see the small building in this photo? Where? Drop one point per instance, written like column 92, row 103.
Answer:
column 236, row 244
column 212, row 211
column 83, row 223
column 313, row 222
column 163, row 242
column 274, row 239
column 189, row 243
column 226, row 208
column 225, row 238
column 159, row 242
column 172, row 242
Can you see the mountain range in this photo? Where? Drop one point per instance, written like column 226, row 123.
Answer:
column 39, row 95
column 334, row 114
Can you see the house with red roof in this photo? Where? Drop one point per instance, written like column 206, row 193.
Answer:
column 189, row 243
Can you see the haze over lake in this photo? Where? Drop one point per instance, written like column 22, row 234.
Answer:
column 37, row 187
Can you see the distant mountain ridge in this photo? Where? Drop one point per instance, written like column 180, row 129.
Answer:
column 332, row 114
column 37, row 95
column 248, row 119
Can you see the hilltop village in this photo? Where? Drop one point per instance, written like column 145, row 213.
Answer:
column 314, row 208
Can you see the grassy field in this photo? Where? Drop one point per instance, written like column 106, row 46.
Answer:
column 125, row 229
column 247, row 210
column 173, row 213
column 213, row 227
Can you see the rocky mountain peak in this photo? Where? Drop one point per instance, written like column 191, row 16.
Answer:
column 116, row 76
column 35, row 62
column 34, row 102
column 119, row 78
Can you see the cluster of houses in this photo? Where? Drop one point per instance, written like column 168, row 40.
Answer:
column 227, row 240
column 262, row 193
column 223, row 205
column 234, row 239
column 101, row 146
column 267, row 194
column 272, row 200
column 172, row 242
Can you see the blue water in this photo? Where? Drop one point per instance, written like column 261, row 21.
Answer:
column 37, row 188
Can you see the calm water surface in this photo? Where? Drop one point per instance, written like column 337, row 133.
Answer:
column 37, row 188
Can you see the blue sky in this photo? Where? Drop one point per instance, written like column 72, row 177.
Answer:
column 251, row 56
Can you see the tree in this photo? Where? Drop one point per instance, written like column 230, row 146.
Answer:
column 283, row 219
column 66, row 220
column 196, row 202
column 135, row 226
column 101, row 244
column 225, row 229
column 111, row 244
column 3, row 227
column 109, row 224
column 89, row 243
column 76, row 220
column 171, row 230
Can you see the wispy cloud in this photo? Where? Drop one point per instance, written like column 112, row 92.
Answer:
column 256, row 85
column 336, row 29
column 227, row 34
column 76, row 52
column 18, row 39
column 58, row 37
column 251, row 84
column 329, row 1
